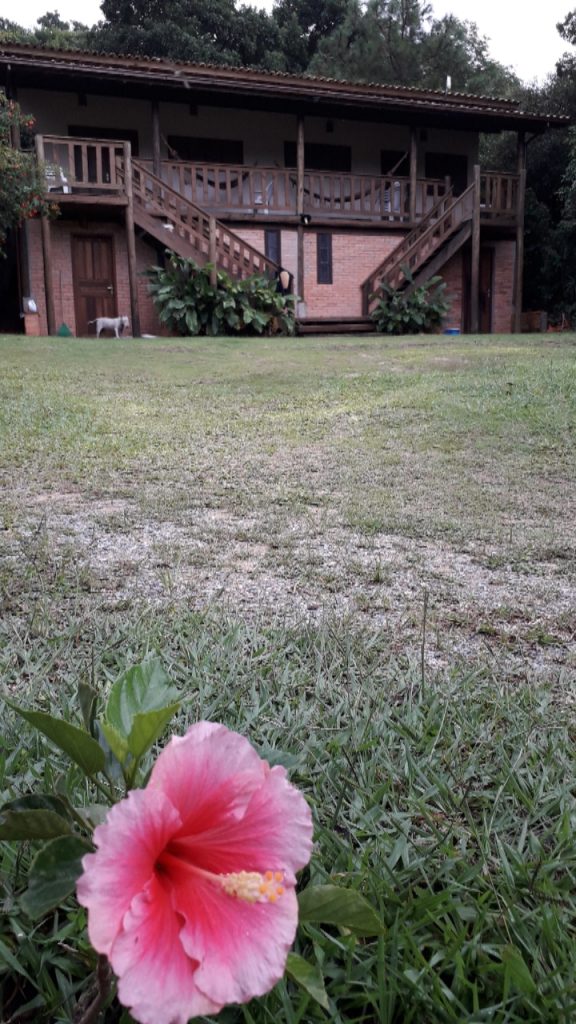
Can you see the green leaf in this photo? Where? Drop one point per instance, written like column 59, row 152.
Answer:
column 75, row 742
column 308, row 976
column 7, row 957
column 40, row 816
column 53, row 874
column 148, row 727
column 330, row 904
column 517, row 970
column 140, row 705
column 117, row 743
column 87, row 698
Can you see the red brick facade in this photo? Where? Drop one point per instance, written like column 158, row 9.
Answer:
column 62, row 233
column 354, row 256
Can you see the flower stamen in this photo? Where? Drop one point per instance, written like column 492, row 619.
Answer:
column 252, row 886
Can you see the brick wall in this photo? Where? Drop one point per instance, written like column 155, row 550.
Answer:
column 62, row 232
column 354, row 257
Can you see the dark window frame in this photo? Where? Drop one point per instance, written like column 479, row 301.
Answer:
column 273, row 245
column 324, row 262
column 204, row 150
column 320, row 156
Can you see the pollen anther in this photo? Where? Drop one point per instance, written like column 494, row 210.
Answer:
column 253, row 887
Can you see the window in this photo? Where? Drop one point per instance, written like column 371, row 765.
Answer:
column 452, row 165
column 217, row 151
column 320, row 157
column 272, row 245
column 394, row 161
column 324, row 257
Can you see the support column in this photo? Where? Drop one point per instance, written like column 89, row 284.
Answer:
column 131, row 242
column 156, row 158
column 212, row 252
column 47, row 254
column 300, row 168
column 413, row 173
column 519, row 262
column 475, row 268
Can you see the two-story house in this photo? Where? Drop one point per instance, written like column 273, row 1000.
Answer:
column 340, row 184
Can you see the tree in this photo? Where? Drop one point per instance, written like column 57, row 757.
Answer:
column 399, row 42
column 21, row 180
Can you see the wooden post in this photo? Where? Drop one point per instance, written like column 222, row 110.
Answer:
column 300, row 166
column 300, row 263
column 413, row 173
column 131, row 242
column 47, row 253
column 519, row 262
column 212, row 252
column 475, row 268
column 156, row 159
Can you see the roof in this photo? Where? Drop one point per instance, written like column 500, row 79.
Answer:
column 159, row 78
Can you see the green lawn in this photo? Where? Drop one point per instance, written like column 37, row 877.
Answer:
column 358, row 552
column 302, row 476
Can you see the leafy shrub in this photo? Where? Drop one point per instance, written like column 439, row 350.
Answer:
column 21, row 178
column 188, row 303
column 418, row 311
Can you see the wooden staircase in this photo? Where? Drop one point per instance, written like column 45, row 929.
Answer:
column 181, row 225
column 438, row 236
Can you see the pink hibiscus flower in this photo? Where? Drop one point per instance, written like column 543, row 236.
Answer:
column 190, row 893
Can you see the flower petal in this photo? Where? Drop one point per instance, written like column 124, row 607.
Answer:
column 241, row 947
column 274, row 833
column 156, row 977
column 128, row 842
column 209, row 775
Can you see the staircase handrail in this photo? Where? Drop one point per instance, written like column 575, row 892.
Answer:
column 193, row 223
column 417, row 239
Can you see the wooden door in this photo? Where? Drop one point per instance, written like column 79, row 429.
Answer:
column 94, row 280
column 485, row 289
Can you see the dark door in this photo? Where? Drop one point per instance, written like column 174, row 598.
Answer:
column 485, row 289
column 93, row 263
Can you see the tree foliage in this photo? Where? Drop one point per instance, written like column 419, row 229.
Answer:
column 21, row 184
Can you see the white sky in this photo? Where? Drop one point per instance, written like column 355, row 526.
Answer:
column 522, row 33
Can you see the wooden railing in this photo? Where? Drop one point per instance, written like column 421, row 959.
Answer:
column 245, row 189
column 207, row 239
column 224, row 186
column 499, row 195
column 87, row 165
column 441, row 223
column 78, row 165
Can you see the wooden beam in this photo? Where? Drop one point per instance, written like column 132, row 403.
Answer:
column 300, row 166
column 413, row 172
column 519, row 262
column 475, row 256
column 47, row 254
column 213, row 252
column 156, row 151
column 300, row 263
column 131, row 242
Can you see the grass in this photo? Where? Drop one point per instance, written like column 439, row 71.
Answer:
column 449, row 805
column 359, row 553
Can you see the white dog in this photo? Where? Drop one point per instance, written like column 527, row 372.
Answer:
column 118, row 324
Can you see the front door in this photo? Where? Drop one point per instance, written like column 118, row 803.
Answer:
column 485, row 289
column 93, row 263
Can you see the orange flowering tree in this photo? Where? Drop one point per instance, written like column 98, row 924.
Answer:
column 21, row 182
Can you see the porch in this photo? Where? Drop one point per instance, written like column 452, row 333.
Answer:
column 92, row 171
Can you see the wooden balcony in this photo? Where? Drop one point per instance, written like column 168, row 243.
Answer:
column 90, row 170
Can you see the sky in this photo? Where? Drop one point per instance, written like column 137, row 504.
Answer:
column 522, row 33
